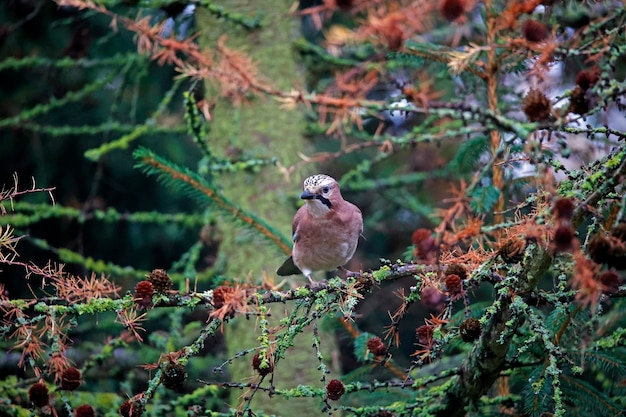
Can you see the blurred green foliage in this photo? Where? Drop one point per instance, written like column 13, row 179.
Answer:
column 82, row 111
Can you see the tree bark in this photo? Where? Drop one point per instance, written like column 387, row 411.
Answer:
column 263, row 128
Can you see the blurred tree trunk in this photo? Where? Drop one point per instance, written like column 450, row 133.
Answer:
column 262, row 128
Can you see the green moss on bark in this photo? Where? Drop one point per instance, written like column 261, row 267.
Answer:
column 262, row 128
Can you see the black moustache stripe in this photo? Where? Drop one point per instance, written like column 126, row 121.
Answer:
column 325, row 201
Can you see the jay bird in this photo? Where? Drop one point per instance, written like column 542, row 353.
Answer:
column 325, row 229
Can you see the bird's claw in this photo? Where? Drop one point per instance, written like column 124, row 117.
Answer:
column 349, row 274
column 315, row 284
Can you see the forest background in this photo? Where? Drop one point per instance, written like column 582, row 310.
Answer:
column 151, row 159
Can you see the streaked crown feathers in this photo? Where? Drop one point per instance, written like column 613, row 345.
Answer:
column 316, row 181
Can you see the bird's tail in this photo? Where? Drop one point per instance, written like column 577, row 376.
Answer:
column 288, row 268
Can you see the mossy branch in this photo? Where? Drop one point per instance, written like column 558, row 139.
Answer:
column 482, row 366
column 487, row 360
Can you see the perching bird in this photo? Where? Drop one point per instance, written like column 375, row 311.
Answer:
column 325, row 230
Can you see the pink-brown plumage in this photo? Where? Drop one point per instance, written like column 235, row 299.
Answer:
column 325, row 230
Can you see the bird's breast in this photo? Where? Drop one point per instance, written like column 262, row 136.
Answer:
column 326, row 243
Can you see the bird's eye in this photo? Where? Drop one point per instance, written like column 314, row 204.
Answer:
column 326, row 189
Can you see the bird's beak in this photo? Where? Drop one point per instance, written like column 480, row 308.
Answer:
column 310, row 196
column 307, row 195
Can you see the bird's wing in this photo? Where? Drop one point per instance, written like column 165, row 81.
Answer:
column 296, row 220
column 360, row 217
column 288, row 267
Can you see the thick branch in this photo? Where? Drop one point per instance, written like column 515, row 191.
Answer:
column 487, row 359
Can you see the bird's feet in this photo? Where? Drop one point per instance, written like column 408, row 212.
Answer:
column 314, row 283
column 349, row 274
column 311, row 280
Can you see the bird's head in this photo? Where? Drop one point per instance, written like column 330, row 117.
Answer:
column 321, row 193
